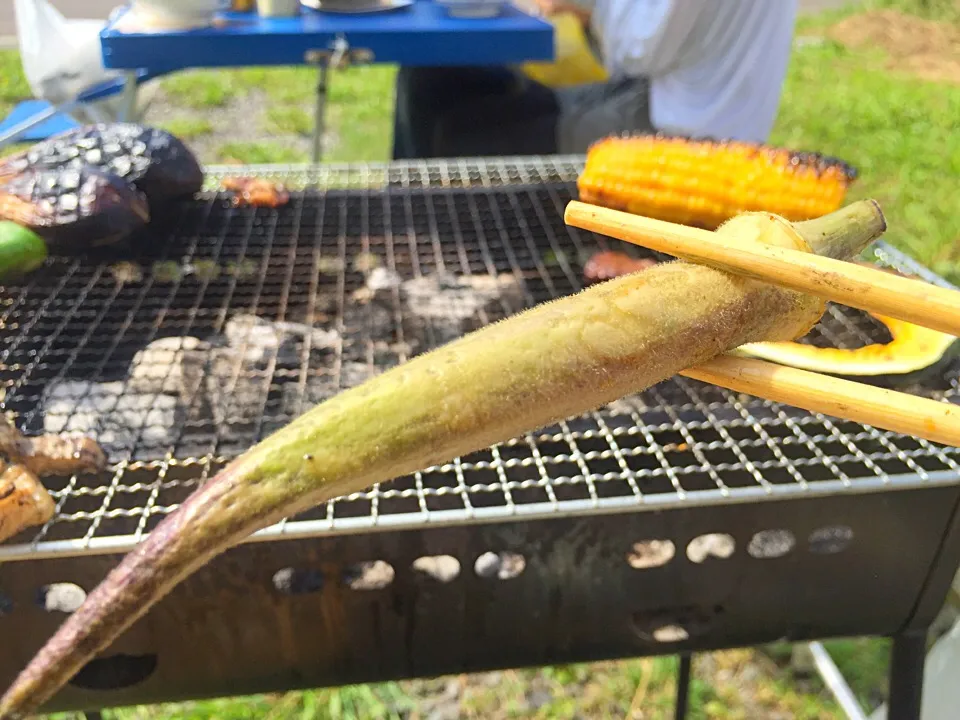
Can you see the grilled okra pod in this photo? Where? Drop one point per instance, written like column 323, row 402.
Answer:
column 554, row 361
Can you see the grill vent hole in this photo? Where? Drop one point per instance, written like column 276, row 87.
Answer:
column 671, row 625
column 771, row 544
column 115, row 672
column 61, row 597
column 373, row 575
column 293, row 581
column 651, row 554
column 830, row 540
column 670, row 634
column 443, row 568
column 715, row 545
column 503, row 566
column 6, row 605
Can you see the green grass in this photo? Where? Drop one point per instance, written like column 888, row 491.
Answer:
column 259, row 153
column 292, row 120
column 188, row 128
column 895, row 129
column 201, row 89
column 358, row 113
column 13, row 85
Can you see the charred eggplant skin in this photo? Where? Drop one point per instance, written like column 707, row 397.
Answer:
column 73, row 208
column 155, row 162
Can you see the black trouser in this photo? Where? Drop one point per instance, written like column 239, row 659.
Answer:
column 462, row 112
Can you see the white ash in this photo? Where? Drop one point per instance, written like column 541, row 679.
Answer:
column 449, row 306
column 260, row 340
column 381, row 279
column 222, row 380
column 444, row 297
column 110, row 414
column 171, row 365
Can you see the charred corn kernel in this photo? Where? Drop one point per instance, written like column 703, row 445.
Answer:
column 705, row 183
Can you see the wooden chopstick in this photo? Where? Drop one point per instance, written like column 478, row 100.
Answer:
column 854, row 285
column 885, row 409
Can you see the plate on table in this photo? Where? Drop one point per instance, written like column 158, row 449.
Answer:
column 475, row 9
column 356, row 6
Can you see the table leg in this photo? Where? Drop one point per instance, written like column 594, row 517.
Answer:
column 129, row 103
column 319, row 121
column 16, row 131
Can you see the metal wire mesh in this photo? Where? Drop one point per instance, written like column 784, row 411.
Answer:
column 232, row 321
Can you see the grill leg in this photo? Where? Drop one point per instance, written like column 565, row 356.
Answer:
column 683, row 686
column 906, row 676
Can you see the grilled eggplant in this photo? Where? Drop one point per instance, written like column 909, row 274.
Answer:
column 155, row 162
column 73, row 208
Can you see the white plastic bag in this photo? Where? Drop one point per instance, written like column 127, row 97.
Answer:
column 62, row 57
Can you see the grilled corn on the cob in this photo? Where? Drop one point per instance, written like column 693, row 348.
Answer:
column 705, row 183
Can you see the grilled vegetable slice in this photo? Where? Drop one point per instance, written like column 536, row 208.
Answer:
column 704, row 183
column 153, row 161
column 51, row 454
column 73, row 208
column 913, row 353
column 21, row 250
column 24, row 501
column 557, row 360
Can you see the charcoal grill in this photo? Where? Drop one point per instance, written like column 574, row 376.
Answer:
column 684, row 518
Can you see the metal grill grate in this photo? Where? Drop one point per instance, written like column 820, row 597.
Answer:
column 262, row 313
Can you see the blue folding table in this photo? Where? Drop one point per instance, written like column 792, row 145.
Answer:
column 420, row 34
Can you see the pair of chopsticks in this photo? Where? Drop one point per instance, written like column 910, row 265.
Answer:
column 843, row 282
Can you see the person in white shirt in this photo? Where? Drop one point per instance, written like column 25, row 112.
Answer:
column 698, row 68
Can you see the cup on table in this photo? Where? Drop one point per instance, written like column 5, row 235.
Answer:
column 278, row 8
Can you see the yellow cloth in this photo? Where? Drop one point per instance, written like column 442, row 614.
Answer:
column 574, row 64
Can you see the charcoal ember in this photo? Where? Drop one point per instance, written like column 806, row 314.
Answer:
column 73, row 208
column 153, row 161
